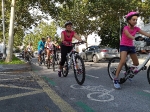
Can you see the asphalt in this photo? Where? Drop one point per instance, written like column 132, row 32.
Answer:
column 27, row 66
column 15, row 67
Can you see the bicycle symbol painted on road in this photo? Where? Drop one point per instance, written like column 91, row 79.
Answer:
column 99, row 93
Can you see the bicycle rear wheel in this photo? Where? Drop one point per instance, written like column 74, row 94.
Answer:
column 53, row 63
column 80, row 72
column 112, row 67
column 48, row 64
column 65, row 69
column 148, row 74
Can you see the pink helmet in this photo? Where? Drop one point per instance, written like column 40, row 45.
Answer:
column 130, row 14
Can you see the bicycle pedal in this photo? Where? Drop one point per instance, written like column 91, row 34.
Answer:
column 131, row 76
column 130, row 79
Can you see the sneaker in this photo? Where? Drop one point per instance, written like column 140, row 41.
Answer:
column 116, row 84
column 59, row 73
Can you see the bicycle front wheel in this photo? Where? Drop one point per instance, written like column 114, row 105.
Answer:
column 112, row 67
column 148, row 74
column 79, row 70
column 48, row 64
column 65, row 69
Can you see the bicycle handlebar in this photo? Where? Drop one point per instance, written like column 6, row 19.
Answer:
column 82, row 42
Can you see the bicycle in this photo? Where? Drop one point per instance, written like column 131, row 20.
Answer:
column 51, row 61
column 42, row 58
column 128, row 71
column 28, row 56
column 73, row 60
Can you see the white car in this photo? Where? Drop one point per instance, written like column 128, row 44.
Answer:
column 96, row 53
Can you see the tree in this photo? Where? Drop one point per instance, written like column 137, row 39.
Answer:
column 42, row 30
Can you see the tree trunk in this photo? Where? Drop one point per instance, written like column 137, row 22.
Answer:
column 11, row 33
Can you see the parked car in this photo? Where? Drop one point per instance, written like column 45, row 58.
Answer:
column 96, row 53
column 1, row 55
column 19, row 55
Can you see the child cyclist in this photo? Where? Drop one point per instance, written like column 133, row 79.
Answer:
column 49, row 45
column 66, row 44
column 126, row 44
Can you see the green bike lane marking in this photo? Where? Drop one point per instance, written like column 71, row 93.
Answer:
column 51, row 82
column 144, row 93
column 84, row 107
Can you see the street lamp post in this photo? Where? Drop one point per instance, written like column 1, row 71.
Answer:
column 3, row 19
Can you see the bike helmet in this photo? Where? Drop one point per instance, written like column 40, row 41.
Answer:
column 131, row 14
column 68, row 23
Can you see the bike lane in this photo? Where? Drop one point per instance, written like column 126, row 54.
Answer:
column 97, row 93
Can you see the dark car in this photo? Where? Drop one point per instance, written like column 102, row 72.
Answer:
column 1, row 55
column 96, row 53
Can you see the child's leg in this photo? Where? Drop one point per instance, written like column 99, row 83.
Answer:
column 123, row 56
column 48, row 53
column 134, row 59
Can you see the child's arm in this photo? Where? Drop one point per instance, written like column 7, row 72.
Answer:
column 144, row 33
column 128, row 34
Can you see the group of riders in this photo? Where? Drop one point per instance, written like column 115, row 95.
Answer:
column 49, row 47
column 126, row 44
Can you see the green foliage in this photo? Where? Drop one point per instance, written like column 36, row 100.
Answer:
column 42, row 30
column 15, row 60
column 87, row 16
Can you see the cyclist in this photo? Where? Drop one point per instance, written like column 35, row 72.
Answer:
column 126, row 44
column 29, row 49
column 49, row 45
column 66, row 43
column 41, row 47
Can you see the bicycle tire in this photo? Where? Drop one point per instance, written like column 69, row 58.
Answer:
column 79, row 72
column 112, row 72
column 65, row 69
column 148, row 74
column 53, row 63
column 48, row 64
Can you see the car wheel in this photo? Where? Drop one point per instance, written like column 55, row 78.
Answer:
column 95, row 59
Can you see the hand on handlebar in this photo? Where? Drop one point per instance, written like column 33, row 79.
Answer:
column 83, row 42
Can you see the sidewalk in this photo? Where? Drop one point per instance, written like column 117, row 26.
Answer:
column 15, row 68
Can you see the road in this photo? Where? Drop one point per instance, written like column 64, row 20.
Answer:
column 43, row 91
column 97, row 93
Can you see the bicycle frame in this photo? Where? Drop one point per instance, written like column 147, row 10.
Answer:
column 140, row 66
column 71, row 57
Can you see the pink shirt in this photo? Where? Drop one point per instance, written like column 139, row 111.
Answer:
column 126, row 40
column 68, row 38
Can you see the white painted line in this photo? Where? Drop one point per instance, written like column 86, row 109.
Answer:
column 20, row 95
column 148, row 91
column 99, row 93
column 12, row 86
column 92, row 76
